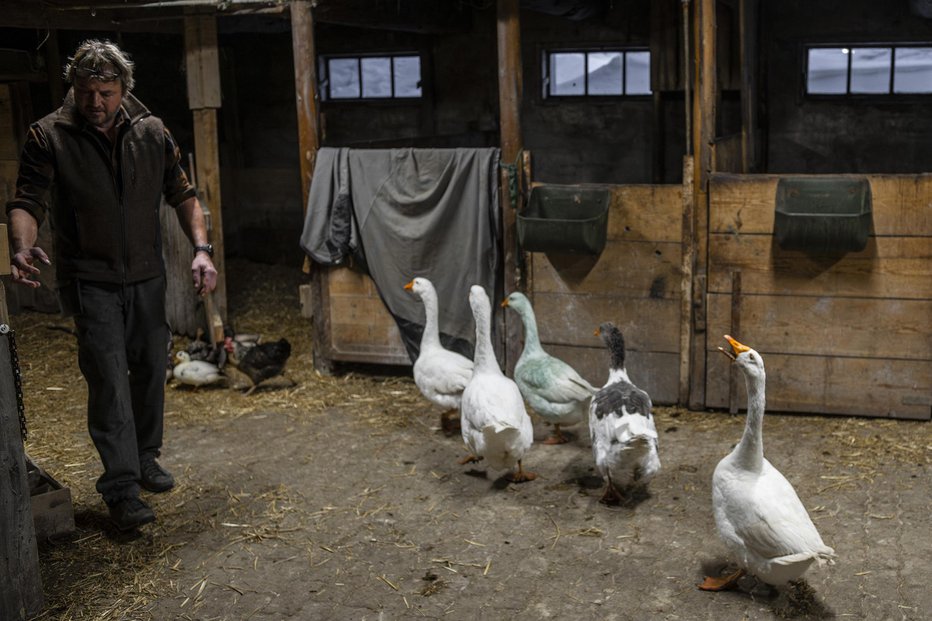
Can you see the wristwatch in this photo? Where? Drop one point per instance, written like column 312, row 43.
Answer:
column 208, row 248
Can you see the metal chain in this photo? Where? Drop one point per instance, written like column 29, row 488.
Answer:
column 17, row 377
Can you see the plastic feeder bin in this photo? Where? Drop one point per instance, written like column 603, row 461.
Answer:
column 823, row 214
column 564, row 219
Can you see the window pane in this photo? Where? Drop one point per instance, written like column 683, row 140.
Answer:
column 870, row 69
column 567, row 74
column 407, row 76
column 827, row 71
column 344, row 78
column 605, row 73
column 376, row 77
column 637, row 73
column 913, row 72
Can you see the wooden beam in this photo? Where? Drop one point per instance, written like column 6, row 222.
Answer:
column 307, row 101
column 20, row 583
column 510, row 91
column 202, row 60
column 53, row 65
column 688, row 258
column 749, row 14
column 704, row 111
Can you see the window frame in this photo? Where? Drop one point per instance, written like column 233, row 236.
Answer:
column 324, row 82
column 586, row 96
column 890, row 95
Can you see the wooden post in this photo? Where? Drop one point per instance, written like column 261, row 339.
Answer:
column 306, row 103
column 510, row 91
column 202, row 60
column 749, row 11
column 733, row 380
column 703, row 137
column 688, row 245
column 20, row 583
column 53, row 67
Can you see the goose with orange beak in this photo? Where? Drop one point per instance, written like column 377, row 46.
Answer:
column 759, row 517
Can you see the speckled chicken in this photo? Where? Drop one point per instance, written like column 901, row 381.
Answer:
column 262, row 361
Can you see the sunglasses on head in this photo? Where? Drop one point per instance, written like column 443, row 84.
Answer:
column 96, row 74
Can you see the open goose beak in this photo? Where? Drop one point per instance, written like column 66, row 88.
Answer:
column 736, row 346
column 410, row 286
column 597, row 332
column 505, row 303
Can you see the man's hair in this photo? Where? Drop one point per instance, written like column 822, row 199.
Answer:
column 100, row 60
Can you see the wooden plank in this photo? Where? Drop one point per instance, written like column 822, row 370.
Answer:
column 890, row 267
column 831, row 385
column 20, row 582
column 642, row 269
column 202, row 61
column 4, row 251
column 648, row 324
column 359, row 310
column 745, row 204
column 825, row 326
column 655, row 372
column 644, row 212
column 510, row 91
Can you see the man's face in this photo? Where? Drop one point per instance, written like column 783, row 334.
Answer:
column 98, row 101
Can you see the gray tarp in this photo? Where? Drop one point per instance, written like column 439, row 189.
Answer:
column 411, row 212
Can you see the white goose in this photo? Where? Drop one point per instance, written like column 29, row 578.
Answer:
column 758, row 514
column 495, row 425
column 440, row 374
column 621, row 426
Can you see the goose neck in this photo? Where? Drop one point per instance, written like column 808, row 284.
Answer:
column 431, row 334
column 750, row 451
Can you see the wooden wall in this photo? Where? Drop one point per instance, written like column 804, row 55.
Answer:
column 850, row 334
column 634, row 283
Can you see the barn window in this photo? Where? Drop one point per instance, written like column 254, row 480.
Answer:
column 386, row 76
column 596, row 73
column 869, row 70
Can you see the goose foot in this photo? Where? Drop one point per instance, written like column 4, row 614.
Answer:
column 469, row 459
column 450, row 422
column 557, row 437
column 611, row 496
column 722, row 583
column 521, row 476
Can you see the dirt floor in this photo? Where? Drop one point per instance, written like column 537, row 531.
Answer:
column 340, row 498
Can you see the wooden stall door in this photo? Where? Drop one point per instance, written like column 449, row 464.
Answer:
column 848, row 334
column 635, row 283
column 361, row 328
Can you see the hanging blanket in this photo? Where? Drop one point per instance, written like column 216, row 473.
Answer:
column 411, row 212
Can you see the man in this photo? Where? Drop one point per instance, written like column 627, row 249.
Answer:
column 98, row 167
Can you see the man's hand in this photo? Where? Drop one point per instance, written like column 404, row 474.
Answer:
column 204, row 273
column 23, row 269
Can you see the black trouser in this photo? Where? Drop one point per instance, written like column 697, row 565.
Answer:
column 122, row 349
